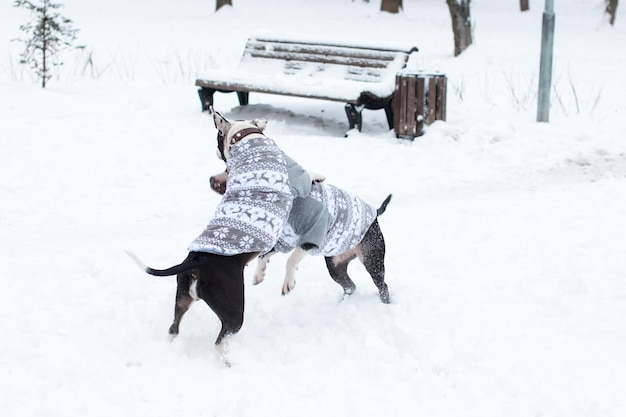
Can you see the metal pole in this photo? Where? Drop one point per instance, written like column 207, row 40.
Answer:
column 545, row 64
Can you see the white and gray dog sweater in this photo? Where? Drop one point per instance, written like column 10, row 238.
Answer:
column 350, row 218
column 254, row 209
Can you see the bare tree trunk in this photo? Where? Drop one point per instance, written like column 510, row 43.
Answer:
column 611, row 10
column 391, row 6
column 523, row 5
column 461, row 24
column 221, row 3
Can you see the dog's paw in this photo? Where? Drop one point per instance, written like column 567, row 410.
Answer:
column 288, row 286
column 258, row 278
column 316, row 176
column 259, row 273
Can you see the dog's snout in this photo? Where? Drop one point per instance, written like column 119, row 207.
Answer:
column 218, row 183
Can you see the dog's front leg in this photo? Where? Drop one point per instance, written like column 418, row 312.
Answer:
column 292, row 266
column 261, row 265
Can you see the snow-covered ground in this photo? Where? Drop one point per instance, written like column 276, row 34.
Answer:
column 505, row 237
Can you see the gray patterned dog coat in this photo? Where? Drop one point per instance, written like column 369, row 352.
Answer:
column 254, row 209
column 350, row 218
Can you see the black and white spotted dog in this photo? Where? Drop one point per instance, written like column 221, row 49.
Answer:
column 354, row 232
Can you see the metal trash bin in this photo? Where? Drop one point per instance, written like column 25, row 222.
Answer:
column 419, row 98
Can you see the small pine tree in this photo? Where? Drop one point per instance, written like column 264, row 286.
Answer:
column 48, row 33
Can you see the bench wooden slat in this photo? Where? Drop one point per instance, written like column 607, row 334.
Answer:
column 321, row 58
column 263, row 49
column 328, row 45
column 352, row 73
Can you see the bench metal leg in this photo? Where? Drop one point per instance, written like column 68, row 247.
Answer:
column 354, row 116
column 389, row 114
column 206, row 98
column 243, row 97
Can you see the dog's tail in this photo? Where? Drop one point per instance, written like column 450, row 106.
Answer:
column 186, row 265
column 383, row 206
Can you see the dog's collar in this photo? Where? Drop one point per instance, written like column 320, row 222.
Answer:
column 243, row 133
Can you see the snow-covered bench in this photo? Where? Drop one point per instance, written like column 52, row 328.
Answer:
column 359, row 75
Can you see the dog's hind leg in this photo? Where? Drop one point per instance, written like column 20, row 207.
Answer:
column 184, row 299
column 228, row 305
column 222, row 288
column 373, row 258
column 338, row 269
column 292, row 266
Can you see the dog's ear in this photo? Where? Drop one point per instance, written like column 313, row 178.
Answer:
column 220, row 146
column 221, row 123
column 260, row 123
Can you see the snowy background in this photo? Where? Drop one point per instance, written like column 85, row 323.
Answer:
column 505, row 237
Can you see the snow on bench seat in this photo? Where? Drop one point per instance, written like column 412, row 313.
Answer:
column 360, row 76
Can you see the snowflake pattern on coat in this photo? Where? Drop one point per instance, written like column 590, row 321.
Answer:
column 254, row 209
column 351, row 218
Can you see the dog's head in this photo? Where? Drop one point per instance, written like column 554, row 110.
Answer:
column 229, row 133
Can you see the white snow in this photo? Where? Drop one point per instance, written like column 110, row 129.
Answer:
column 505, row 237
